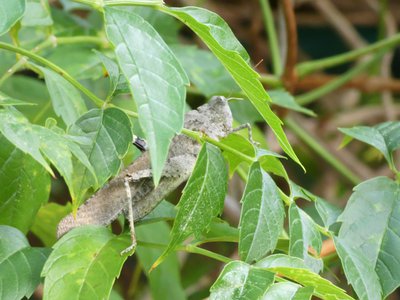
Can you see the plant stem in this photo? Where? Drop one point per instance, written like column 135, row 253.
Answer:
column 271, row 81
column 334, row 84
column 130, row 3
column 315, row 65
column 289, row 73
column 50, row 42
column 55, row 68
column 272, row 38
column 204, row 252
column 190, row 249
column 314, row 145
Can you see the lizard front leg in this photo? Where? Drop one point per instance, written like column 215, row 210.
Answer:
column 250, row 132
column 127, row 179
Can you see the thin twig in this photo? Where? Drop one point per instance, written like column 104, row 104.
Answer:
column 340, row 23
column 272, row 39
column 289, row 75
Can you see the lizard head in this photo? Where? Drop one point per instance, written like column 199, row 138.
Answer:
column 213, row 118
column 219, row 115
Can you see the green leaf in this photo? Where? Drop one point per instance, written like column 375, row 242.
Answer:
column 391, row 133
column 220, row 230
column 108, row 133
column 283, row 99
column 205, row 71
column 163, row 211
column 296, row 270
column 6, row 100
column 282, row 260
column 273, row 165
column 328, row 212
column 237, row 141
column 46, row 222
column 370, row 225
column 384, row 137
column 358, row 271
column 84, row 264
column 20, row 264
column 37, row 13
column 165, row 281
column 67, row 101
column 261, row 218
column 239, row 280
column 244, row 112
column 157, row 80
column 10, row 13
column 304, row 234
column 112, row 72
column 217, row 35
column 78, row 61
column 167, row 26
column 283, row 291
column 323, row 288
column 33, row 91
column 202, row 198
column 38, row 141
column 25, row 186
column 304, row 293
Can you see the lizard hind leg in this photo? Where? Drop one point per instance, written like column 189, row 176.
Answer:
column 130, row 217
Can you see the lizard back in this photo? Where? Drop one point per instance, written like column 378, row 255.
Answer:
column 214, row 119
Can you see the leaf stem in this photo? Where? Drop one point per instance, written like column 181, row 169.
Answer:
column 55, row 68
column 314, row 145
column 334, row 84
column 190, row 249
column 204, row 252
column 272, row 38
column 315, row 65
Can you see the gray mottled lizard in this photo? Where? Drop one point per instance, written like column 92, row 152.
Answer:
column 133, row 192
